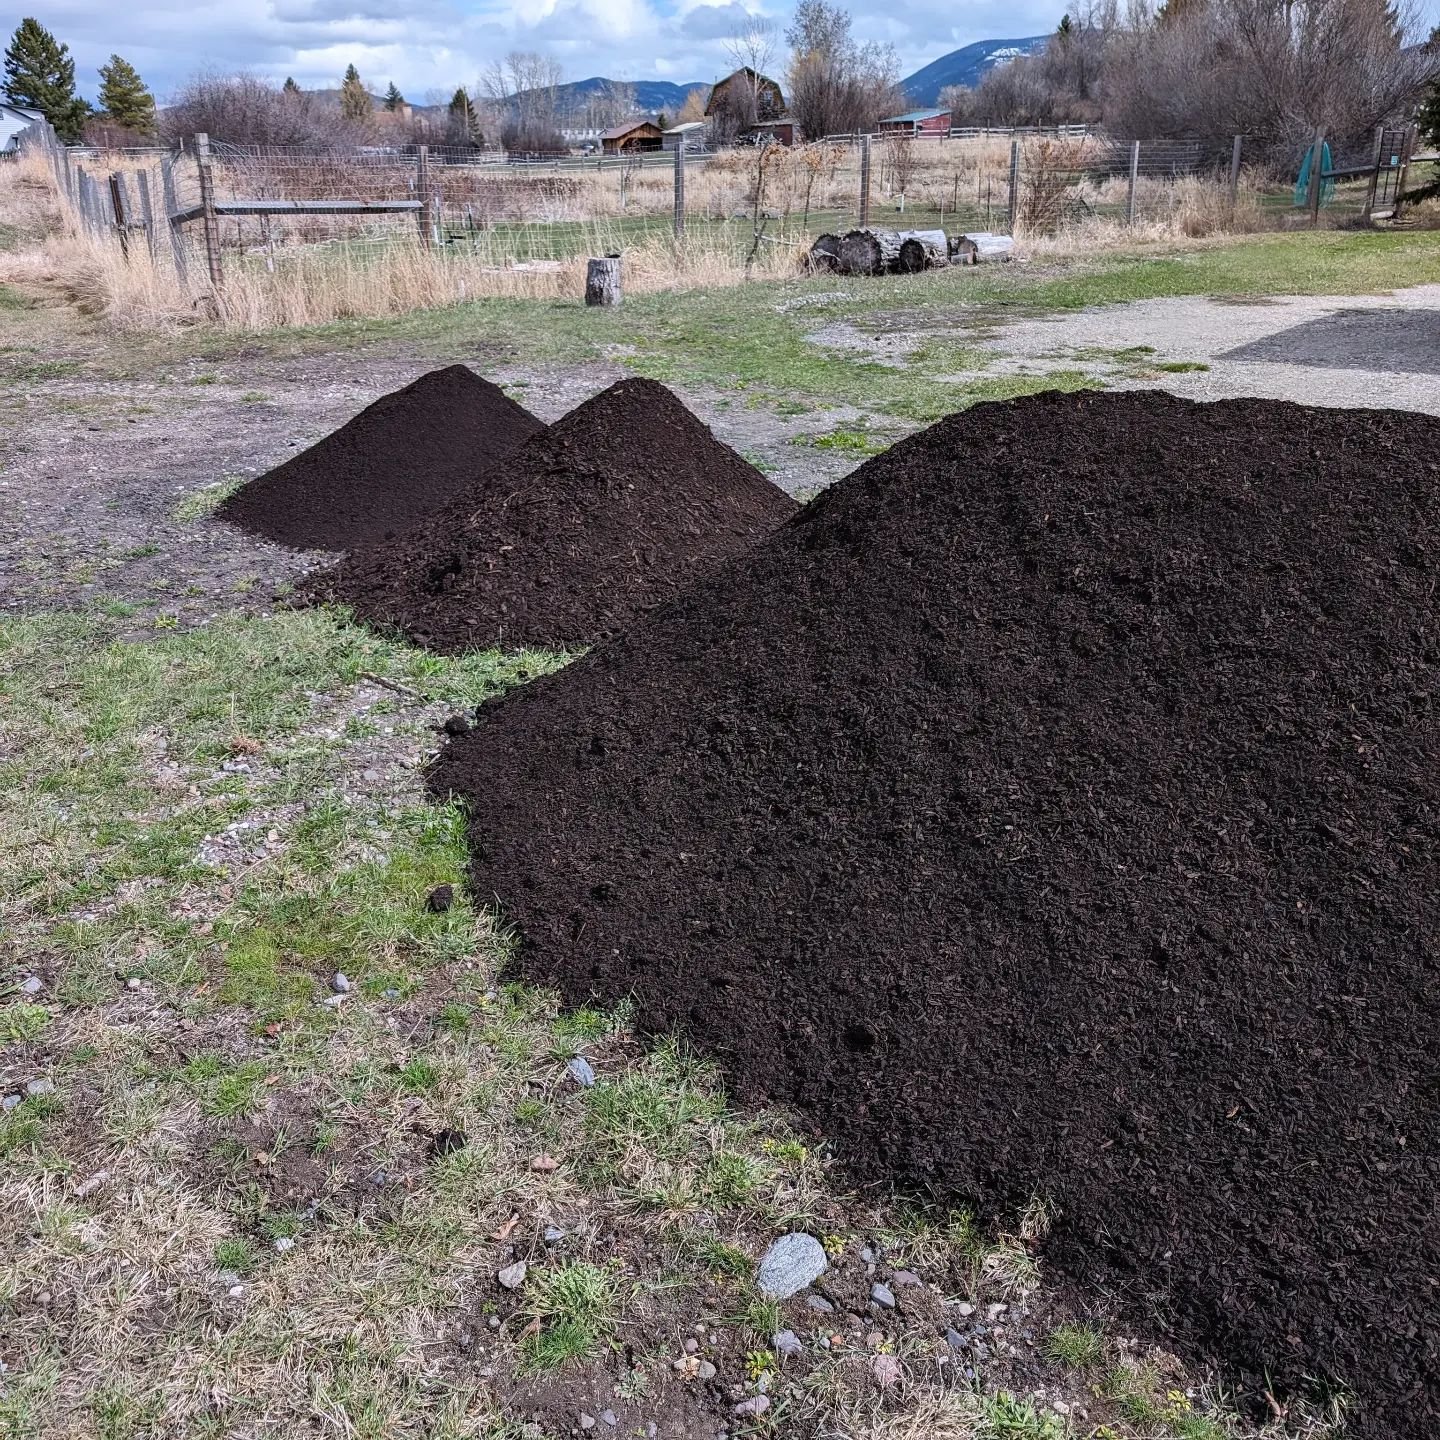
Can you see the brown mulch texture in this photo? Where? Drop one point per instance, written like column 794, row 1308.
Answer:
column 614, row 509
column 398, row 461
column 1051, row 808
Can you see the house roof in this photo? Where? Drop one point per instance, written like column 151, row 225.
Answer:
column 686, row 127
column 14, row 119
column 913, row 117
column 617, row 132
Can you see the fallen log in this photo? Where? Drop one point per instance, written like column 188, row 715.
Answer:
column 921, row 249
column 602, row 281
column 980, row 246
column 868, row 252
column 825, row 254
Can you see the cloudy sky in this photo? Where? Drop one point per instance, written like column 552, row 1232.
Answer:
column 433, row 45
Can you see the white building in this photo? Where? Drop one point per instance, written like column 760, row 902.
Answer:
column 12, row 121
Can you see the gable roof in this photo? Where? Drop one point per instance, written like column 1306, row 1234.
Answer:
column 13, row 120
column 616, row 132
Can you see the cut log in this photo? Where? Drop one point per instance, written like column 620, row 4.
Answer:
column 868, row 252
column 602, row 281
column 980, row 246
column 921, row 249
column 825, row 254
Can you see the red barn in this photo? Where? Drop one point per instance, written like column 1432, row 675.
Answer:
column 917, row 122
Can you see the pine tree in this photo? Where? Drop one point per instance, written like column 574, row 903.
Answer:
column 290, row 87
column 661, row 121
column 463, row 125
column 124, row 98
column 393, row 98
column 40, row 75
column 355, row 102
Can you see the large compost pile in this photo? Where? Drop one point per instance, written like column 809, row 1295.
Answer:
column 609, row 512
column 396, row 462
column 1051, row 808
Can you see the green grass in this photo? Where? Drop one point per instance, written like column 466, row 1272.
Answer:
column 200, row 503
column 1005, row 1417
column 1078, row 1346
column 22, row 1023
column 577, row 1307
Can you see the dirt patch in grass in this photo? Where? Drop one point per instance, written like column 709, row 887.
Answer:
column 397, row 462
column 1050, row 809
column 610, row 512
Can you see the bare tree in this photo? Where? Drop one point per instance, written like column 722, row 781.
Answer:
column 837, row 86
column 524, row 87
column 245, row 110
column 610, row 105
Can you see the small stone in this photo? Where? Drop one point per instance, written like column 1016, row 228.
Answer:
column 133, row 983
column 92, row 1184
column 545, row 1165
column 40, row 1087
column 284, row 1243
column 512, row 1277
column 964, row 1309
column 587, row 1422
column 824, row 1342
column 994, row 1312
column 651, row 1430
column 235, row 1291
column 493, row 1322
column 882, row 1296
column 333, row 1002
column 392, row 994
column 580, row 1072
column 867, row 1255
column 608, row 1416
column 9, row 1102
column 31, row 985
column 787, row 1342
column 691, row 1345
column 955, row 1340
column 905, row 1279
column 756, row 1405
column 553, row 1234
column 886, row 1370
column 340, row 982
column 790, row 1264
column 706, row 1370
column 440, row 899
column 370, row 775
column 819, row 1304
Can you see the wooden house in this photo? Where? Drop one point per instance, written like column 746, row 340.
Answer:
column 635, row 135
column 917, row 122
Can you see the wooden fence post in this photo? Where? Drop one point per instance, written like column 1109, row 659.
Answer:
column 1407, row 149
column 120, row 202
column 864, row 182
column 680, row 188
column 1235, row 175
column 422, row 194
column 1374, row 172
column 1014, row 183
column 1317, row 176
column 1134, row 180
column 207, row 207
column 147, row 210
column 171, row 207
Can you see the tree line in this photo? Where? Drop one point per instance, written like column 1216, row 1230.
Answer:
column 1276, row 71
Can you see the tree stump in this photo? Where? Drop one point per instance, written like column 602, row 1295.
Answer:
column 825, row 254
column 868, row 252
column 602, row 281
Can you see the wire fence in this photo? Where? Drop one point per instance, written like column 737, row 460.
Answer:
column 212, row 209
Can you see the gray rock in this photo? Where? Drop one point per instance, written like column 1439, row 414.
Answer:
column 512, row 1277
column 756, row 1405
column 787, row 1342
column 867, row 1255
column 905, row 1278
column 819, row 1304
column 133, row 983
column 553, row 1234
column 340, row 982
column 790, row 1264
column 32, row 985
column 882, row 1295
column 581, row 1072
column 706, row 1371
column 284, row 1243
column 40, row 1087
column 9, row 1102
column 692, row 1345
column 964, row 1309
column 587, row 1422
column 651, row 1430
column 955, row 1340
column 608, row 1416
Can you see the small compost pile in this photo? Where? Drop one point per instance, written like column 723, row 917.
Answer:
column 1051, row 808
column 396, row 462
column 609, row 512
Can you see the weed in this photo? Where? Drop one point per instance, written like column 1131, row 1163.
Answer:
column 576, row 1306
column 1005, row 1417
column 22, row 1023
column 236, row 1255
column 200, row 503
column 1078, row 1346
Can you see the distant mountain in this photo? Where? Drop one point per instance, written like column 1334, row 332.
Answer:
column 651, row 96
column 966, row 66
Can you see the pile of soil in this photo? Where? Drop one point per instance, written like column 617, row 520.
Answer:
column 611, row 511
column 1052, row 808
column 396, row 462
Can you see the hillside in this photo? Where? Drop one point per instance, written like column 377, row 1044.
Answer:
column 651, row 96
column 966, row 66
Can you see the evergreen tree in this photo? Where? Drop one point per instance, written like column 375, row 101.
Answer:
column 355, row 102
column 464, row 127
column 393, row 98
column 290, row 87
column 1065, row 29
column 40, row 75
column 1429, row 116
column 661, row 121
column 124, row 98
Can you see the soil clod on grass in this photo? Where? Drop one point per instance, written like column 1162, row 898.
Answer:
column 1051, row 810
column 614, row 509
column 398, row 461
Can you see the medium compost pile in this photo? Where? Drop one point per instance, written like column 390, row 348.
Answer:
column 1051, row 808
column 611, row 511
column 396, row 462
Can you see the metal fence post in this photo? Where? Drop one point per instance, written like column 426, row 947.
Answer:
column 1235, row 175
column 210, row 224
column 422, row 194
column 1014, row 183
column 1134, row 180
column 1317, row 176
column 864, row 181
column 680, row 187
